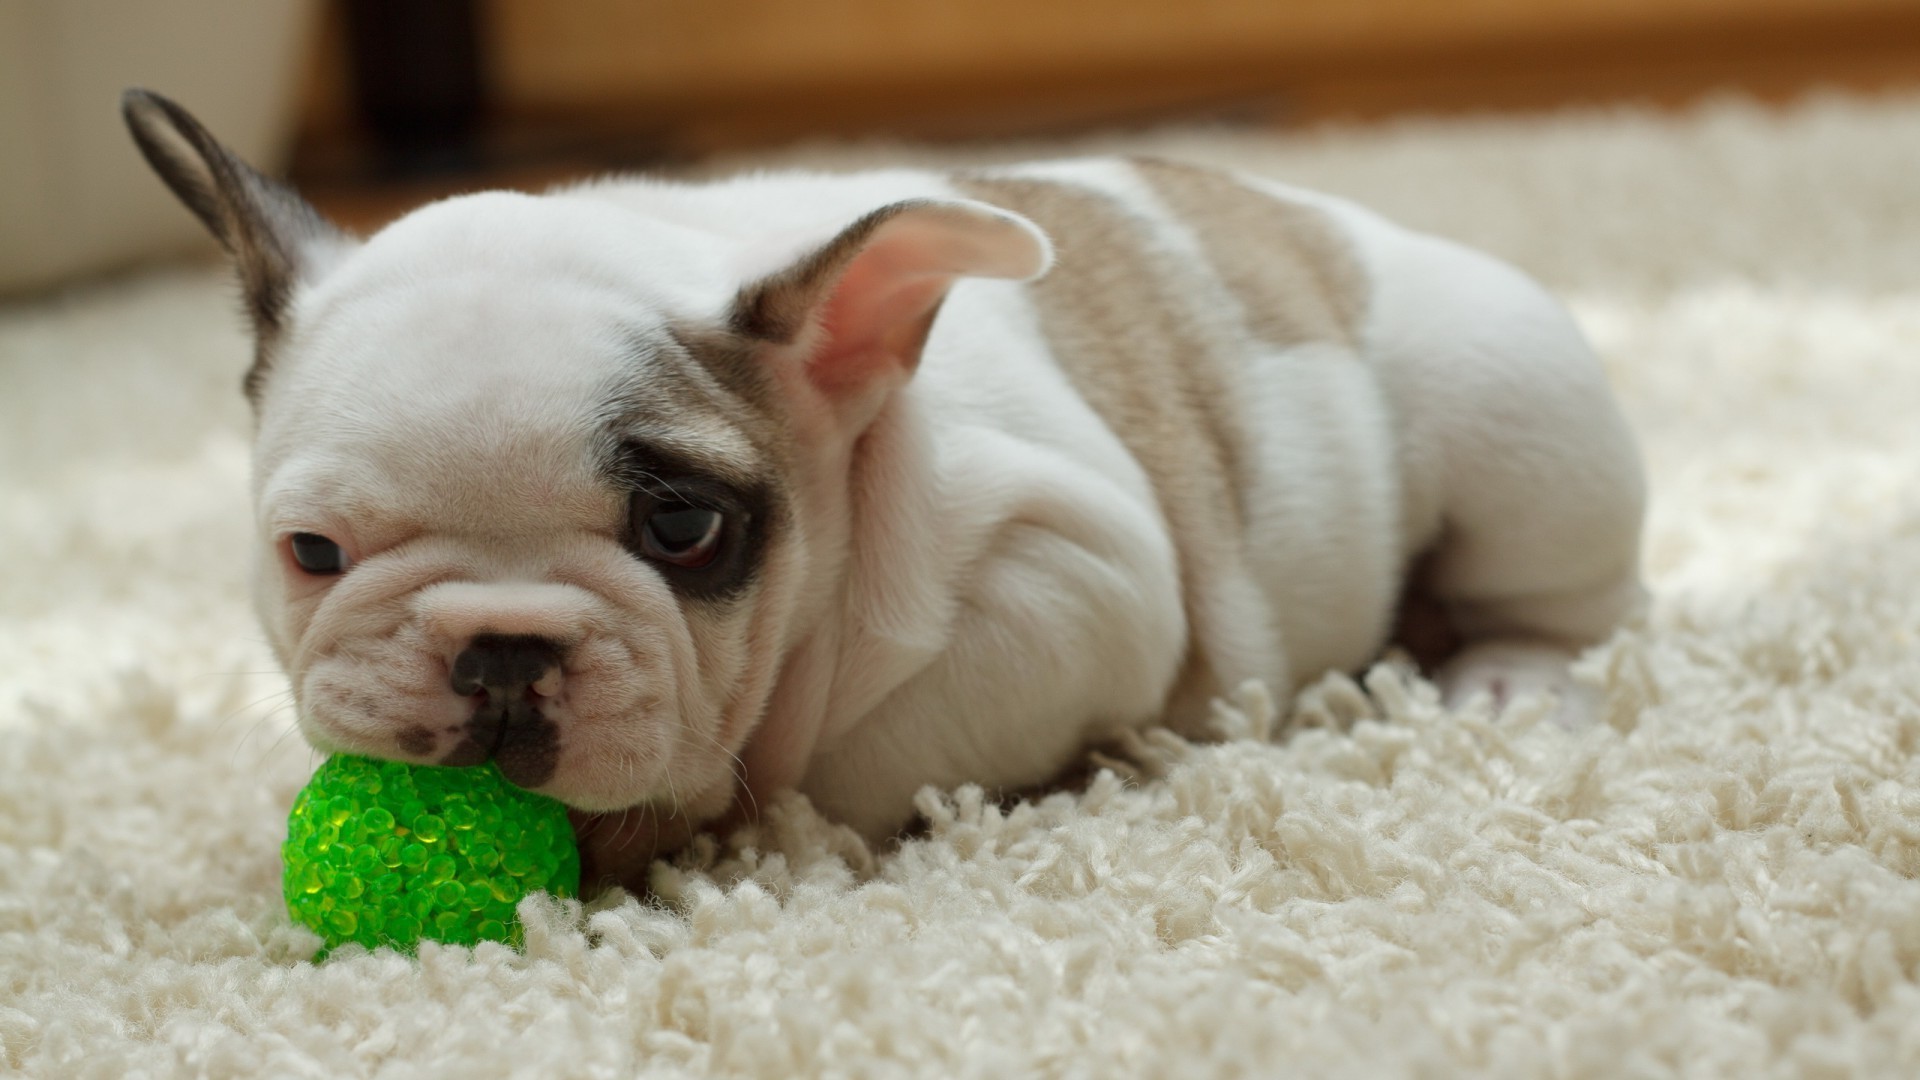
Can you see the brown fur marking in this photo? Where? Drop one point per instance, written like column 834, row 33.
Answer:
column 1139, row 340
column 1292, row 273
column 1145, row 364
column 261, row 223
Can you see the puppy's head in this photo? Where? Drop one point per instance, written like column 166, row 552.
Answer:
column 554, row 482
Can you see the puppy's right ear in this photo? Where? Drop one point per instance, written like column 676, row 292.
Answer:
column 276, row 238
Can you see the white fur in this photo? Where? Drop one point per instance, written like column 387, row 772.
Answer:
column 978, row 579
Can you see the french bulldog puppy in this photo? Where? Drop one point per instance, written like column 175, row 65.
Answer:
column 668, row 496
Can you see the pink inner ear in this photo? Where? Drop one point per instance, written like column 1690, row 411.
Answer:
column 853, row 316
column 876, row 319
column 869, row 330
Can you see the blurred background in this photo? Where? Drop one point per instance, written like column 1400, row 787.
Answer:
column 373, row 106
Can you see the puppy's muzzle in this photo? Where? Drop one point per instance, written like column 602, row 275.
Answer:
column 509, row 676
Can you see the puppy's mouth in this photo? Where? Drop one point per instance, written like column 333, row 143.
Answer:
column 515, row 736
column 511, row 681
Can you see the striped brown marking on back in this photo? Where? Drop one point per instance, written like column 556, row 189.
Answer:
column 1134, row 340
column 1293, row 272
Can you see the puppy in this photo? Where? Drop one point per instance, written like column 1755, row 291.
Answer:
column 665, row 497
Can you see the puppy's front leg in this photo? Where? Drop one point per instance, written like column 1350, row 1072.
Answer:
column 1069, row 627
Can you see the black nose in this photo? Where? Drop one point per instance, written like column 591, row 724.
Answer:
column 504, row 667
column 507, row 724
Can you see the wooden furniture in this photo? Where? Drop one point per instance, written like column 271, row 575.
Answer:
column 678, row 78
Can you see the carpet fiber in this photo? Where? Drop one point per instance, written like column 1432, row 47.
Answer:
column 1721, row 879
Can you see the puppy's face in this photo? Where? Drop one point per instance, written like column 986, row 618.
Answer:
column 508, row 511
column 548, row 481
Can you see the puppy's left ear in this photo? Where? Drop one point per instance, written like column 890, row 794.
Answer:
column 856, row 311
column 276, row 238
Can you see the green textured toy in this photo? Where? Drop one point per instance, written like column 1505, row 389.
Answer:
column 387, row 854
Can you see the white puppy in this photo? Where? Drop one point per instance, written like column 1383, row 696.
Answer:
column 667, row 496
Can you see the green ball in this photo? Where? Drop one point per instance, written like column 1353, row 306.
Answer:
column 387, row 854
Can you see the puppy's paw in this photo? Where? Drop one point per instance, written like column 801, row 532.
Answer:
column 1509, row 671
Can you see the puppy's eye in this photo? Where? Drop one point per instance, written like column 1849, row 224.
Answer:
column 681, row 535
column 316, row 554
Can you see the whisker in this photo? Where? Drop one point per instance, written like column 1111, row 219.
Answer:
column 291, row 728
column 238, row 709
column 736, row 767
column 265, row 717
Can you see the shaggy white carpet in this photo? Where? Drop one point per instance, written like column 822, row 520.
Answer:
column 1720, row 880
